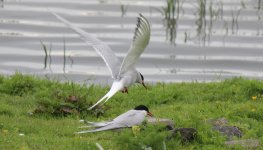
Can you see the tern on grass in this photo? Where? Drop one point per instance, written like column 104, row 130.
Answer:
column 128, row 119
column 123, row 73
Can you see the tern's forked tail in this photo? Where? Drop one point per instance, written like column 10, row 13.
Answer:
column 116, row 86
column 102, row 99
column 107, row 127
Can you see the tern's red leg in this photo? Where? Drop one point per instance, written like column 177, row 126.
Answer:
column 126, row 90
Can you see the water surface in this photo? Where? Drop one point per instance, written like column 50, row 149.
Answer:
column 200, row 40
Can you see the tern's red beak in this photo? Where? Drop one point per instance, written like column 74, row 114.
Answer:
column 144, row 85
column 149, row 114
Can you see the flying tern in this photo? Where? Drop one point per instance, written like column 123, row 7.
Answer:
column 123, row 73
column 128, row 119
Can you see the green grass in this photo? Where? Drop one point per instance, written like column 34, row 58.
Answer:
column 33, row 106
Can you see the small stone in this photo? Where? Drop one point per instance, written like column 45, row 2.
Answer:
column 221, row 125
column 21, row 134
column 187, row 134
column 72, row 98
column 248, row 144
column 229, row 131
column 219, row 122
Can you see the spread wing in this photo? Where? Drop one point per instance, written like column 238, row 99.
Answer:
column 140, row 41
column 111, row 60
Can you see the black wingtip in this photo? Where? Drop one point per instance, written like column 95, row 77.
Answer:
column 141, row 23
column 138, row 23
column 141, row 16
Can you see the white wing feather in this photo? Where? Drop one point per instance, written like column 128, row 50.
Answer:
column 140, row 41
column 111, row 60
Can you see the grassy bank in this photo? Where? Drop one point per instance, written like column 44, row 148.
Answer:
column 43, row 114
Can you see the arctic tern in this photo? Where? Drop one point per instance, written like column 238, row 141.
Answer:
column 128, row 119
column 123, row 73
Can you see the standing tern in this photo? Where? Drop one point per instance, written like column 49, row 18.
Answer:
column 123, row 73
column 128, row 119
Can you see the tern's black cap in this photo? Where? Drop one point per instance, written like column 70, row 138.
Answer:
column 141, row 107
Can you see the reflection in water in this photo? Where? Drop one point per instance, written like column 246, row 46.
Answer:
column 201, row 21
column 47, row 54
column 124, row 9
column 2, row 3
column 171, row 13
column 71, row 60
column 64, row 54
column 215, row 13
column 205, row 23
column 260, row 4
column 50, row 58
column 259, row 7
column 208, row 13
column 234, row 24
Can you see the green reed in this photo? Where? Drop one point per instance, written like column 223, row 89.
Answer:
column 49, row 55
column 2, row 3
column 201, row 21
column 234, row 23
column 64, row 54
column 46, row 54
column 171, row 13
column 207, row 14
column 260, row 4
column 124, row 9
